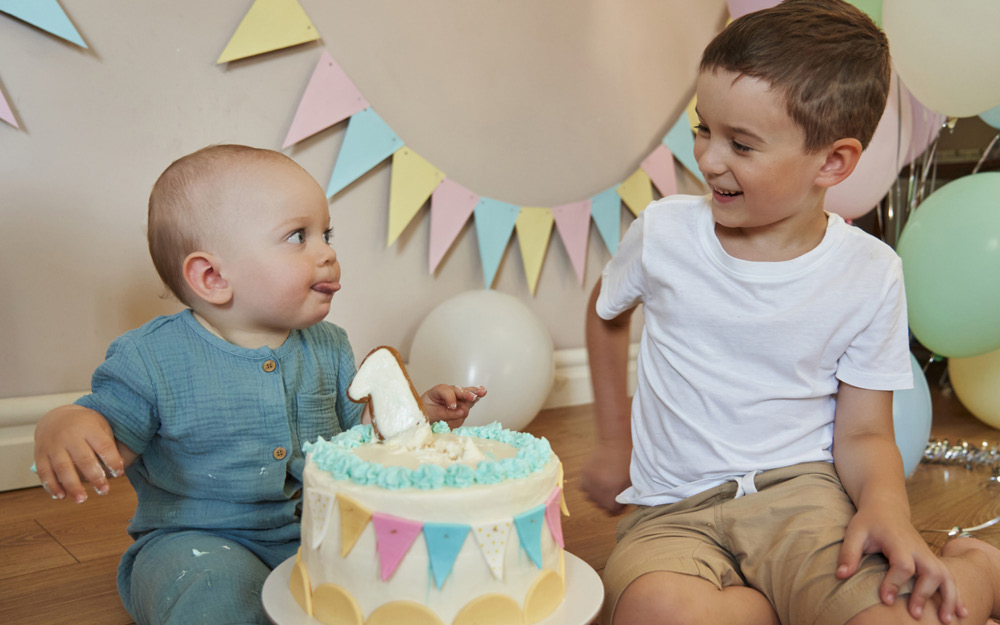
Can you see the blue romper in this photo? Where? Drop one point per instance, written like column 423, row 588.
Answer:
column 219, row 432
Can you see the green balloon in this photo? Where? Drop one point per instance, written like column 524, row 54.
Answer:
column 951, row 264
column 872, row 7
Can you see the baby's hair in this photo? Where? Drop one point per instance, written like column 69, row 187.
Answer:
column 185, row 203
column 826, row 57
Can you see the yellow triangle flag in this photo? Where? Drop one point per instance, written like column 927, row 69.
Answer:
column 353, row 519
column 691, row 111
column 636, row 191
column 413, row 181
column 534, row 229
column 269, row 25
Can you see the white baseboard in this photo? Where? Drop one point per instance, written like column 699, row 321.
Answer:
column 18, row 415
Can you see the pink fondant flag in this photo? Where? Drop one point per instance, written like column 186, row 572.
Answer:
column 573, row 224
column 451, row 206
column 393, row 537
column 659, row 166
column 330, row 97
column 553, row 517
column 529, row 531
column 5, row 113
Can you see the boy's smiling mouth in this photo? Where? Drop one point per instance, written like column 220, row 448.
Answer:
column 724, row 193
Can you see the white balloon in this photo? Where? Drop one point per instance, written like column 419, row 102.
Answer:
column 491, row 339
column 946, row 52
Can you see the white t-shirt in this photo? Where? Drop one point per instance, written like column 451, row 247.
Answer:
column 739, row 361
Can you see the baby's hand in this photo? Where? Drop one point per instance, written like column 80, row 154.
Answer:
column 75, row 444
column 446, row 402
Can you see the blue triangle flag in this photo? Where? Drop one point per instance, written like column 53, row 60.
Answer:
column 606, row 211
column 494, row 224
column 444, row 541
column 44, row 14
column 680, row 141
column 367, row 142
column 529, row 531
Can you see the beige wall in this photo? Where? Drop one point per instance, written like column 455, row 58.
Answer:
column 534, row 102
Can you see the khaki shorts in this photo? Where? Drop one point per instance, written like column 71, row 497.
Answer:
column 783, row 540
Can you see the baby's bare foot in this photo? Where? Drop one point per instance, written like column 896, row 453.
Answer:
column 984, row 556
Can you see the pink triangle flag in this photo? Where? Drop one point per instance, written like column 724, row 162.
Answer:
column 573, row 224
column 6, row 114
column 659, row 166
column 553, row 516
column 451, row 206
column 393, row 537
column 330, row 97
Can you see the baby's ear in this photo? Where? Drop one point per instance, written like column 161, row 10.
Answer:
column 841, row 159
column 201, row 273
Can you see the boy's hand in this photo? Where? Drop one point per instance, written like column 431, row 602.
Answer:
column 878, row 531
column 606, row 475
column 73, row 443
column 446, row 402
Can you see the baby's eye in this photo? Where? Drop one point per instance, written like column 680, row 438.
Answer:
column 700, row 129
column 328, row 236
column 299, row 236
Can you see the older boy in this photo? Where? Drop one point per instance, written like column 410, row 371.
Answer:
column 761, row 452
column 206, row 410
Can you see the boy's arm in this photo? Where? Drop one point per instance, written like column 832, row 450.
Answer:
column 606, row 473
column 72, row 442
column 871, row 470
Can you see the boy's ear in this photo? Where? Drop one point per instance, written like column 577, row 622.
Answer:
column 202, row 275
column 841, row 159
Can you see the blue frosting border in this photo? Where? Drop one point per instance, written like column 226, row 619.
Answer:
column 334, row 456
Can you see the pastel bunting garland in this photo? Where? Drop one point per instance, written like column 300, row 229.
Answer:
column 394, row 536
column 369, row 141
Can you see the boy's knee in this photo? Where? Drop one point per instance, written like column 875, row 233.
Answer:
column 653, row 598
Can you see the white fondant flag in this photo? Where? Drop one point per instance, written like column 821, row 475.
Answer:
column 451, row 206
column 492, row 540
column 529, row 531
column 393, row 537
column 320, row 509
column 330, row 98
column 573, row 225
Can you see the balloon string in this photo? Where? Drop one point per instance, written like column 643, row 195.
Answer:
column 986, row 152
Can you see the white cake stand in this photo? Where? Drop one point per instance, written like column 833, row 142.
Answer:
column 584, row 596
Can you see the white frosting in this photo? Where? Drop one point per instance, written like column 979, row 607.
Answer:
column 471, row 577
column 419, row 445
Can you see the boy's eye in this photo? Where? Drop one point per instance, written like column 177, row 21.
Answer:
column 739, row 147
column 299, row 236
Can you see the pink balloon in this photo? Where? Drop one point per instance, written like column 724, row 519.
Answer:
column 926, row 127
column 880, row 162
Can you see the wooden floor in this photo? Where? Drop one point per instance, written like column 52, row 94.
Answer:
column 58, row 559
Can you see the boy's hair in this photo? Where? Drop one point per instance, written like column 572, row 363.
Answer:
column 825, row 57
column 185, row 206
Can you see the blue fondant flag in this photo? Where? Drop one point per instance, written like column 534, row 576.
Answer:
column 606, row 211
column 44, row 14
column 494, row 224
column 444, row 541
column 367, row 142
column 529, row 531
column 680, row 141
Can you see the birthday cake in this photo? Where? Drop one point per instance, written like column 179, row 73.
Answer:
column 408, row 522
